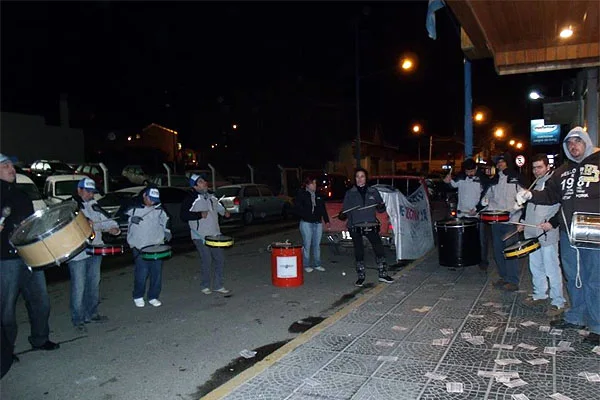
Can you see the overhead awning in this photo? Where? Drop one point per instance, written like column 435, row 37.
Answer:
column 524, row 36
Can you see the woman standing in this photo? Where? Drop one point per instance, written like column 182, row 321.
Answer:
column 310, row 207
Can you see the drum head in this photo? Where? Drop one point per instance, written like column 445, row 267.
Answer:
column 495, row 213
column 219, row 238
column 43, row 223
column 157, row 248
column 455, row 223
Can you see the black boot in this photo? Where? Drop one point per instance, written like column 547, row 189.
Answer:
column 360, row 272
column 383, row 276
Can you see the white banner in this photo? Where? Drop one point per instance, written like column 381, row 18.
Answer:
column 411, row 219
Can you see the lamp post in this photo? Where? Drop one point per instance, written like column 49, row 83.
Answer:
column 357, row 84
column 416, row 128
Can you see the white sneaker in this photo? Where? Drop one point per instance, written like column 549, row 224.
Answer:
column 155, row 302
column 319, row 268
column 139, row 302
column 222, row 290
column 308, row 269
column 206, row 291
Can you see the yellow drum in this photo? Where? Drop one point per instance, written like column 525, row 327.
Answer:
column 52, row 236
column 218, row 241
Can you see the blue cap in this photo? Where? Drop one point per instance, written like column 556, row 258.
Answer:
column 194, row 178
column 87, row 184
column 153, row 194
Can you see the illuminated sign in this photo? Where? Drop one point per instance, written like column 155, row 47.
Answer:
column 544, row 134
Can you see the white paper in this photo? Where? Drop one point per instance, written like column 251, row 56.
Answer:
column 590, row 376
column 476, row 316
column 434, row 376
column 515, row 383
column 544, row 328
column 556, row 332
column 526, row 346
column 519, row 396
column 440, row 342
column 558, row 396
column 399, row 328
column 507, row 361
column 423, row 309
column 511, row 330
column 311, row 382
column 454, row 387
column 549, row 350
column 490, row 329
column 466, row 335
column 583, row 332
column 387, row 358
column 247, row 353
column 447, row 331
column 528, row 323
column 501, row 313
column 385, row 343
column 502, row 346
column 537, row 361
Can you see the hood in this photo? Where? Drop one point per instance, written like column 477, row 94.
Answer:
column 580, row 133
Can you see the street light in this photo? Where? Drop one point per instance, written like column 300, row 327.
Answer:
column 499, row 133
column 512, row 142
column 479, row 117
column 416, row 128
column 535, row 95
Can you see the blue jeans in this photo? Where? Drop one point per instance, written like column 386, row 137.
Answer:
column 507, row 269
column 545, row 267
column 210, row 256
column 144, row 269
column 311, row 238
column 16, row 278
column 85, row 289
column 585, row 300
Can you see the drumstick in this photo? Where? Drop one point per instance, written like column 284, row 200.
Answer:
column 520, row 223
column 506, row 237
column 345, row 211
column 371, row 206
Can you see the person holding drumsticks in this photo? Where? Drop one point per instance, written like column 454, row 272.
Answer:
column 543, row 263
column 576, row 186
column 15, row 277
column 361, row 202
column 147, row 227
column 85, row 268
column 201, row 210
column 500, row 196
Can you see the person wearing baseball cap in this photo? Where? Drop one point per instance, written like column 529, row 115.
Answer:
column 147, row 227
column 16, row 278
column 85, row 268
column 576, row 186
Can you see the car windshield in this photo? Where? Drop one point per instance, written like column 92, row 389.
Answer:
column 60, row 167
column 115, row 199
column 31, row 190
column 65, row 188
column 227, row 192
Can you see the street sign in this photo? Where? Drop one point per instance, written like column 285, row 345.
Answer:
column 520, row 160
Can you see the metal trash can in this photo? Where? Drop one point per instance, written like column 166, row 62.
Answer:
column 286, row 264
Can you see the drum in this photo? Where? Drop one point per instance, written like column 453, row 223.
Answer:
column 364, row 227
column 218, row 241
column 521, row 249
column 156, row 252
column 585, row 230
column 493, row 216
column 105, row 250
column 458, row 242
column 52, row 236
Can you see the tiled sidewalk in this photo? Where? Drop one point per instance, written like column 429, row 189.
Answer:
column 410, row 340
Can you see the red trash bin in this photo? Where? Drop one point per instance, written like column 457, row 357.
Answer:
column 286, row 265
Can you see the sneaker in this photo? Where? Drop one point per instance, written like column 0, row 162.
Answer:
column 562, row 324
column 308, row 269
column 222, row 290
column 510, row 287
column 47, row 346
column 555, row 311
column 592, row 338
column 530, row 301
column 319, row 268
column 359, row 282
column 155, row 302
column 386, row 279
column 139, row 302
column 81, row 328
column 99, row 318
column 206, row 291
column 499, row 283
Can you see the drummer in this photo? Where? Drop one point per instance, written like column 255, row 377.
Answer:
column 147, row 227
column 576, row 186
column 201, row 210
column 543, row 263
column 15, row 277
column 84, row 268
column 471, row 184
column 364, row 201
column 500, row 197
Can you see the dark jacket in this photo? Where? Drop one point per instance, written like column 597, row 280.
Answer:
column 304, row 209
column 21, row 207
column 372, row 199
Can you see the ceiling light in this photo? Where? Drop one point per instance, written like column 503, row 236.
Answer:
column 566, row 33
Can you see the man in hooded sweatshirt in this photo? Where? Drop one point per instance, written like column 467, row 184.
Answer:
column 576, row 186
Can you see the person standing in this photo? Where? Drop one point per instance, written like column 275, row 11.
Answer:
column 84, row 268
column 500, row 197
column 576, row 186
column 201, row 210
column 15, row 277
column 543, row 263
column 147, row 227
column 471, row 184
column 310, row 207
column 361, row 203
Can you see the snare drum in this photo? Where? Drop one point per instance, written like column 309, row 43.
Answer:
column 52, row 236
column 156, row 252
column 521, row 249
column 363, row 228
column 218, row 241
column 585, row 230
column 493, row 216
column 105, row 250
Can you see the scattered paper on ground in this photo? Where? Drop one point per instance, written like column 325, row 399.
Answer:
column 399, row 328
column 526, row 346
column 476, row 315
column 558, row 396
column 435, row 376
column 490, row 329
column 511, row 330
column 502, row 346
column 247, row 353
column 549, row 350
column 447, row 331
column 440, row 342
column 385, row 343
column 423, row 309
column 311, row 382
column 519, row 396
column 544, row 328
column 466, row 335
column 538, row 361
column 556, row 332
column 454, row 387
column 590, row 376
column 507, row 361
column 387, row 358
column 515, row 383
column 528, row 323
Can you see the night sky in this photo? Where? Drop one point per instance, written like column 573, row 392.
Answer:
column 277, row 69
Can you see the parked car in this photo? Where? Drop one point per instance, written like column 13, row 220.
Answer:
column 94, row 171
column 61, row 187
column 117, row 202
column 176, row 180
column 248, row 202
column 26, row 184
column 140, row 174
column 42, row 169
column 219, row 179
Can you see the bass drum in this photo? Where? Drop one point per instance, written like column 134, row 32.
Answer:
column 458, row 242
column 52, row 236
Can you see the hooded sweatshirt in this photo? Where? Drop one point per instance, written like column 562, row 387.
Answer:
column 536, row 214
column 502, row 192
column 575, row 185
column 151, row 230
column 192, row 208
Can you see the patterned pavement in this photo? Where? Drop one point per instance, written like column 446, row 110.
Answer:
column 435, row 333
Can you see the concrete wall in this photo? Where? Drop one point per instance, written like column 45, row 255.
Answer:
column 29, row 138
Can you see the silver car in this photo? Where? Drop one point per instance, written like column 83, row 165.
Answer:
column 248, row 202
